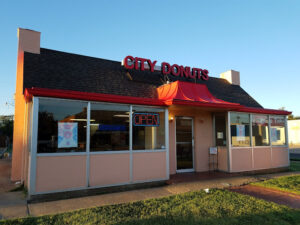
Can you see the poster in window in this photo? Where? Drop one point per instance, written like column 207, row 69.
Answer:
column 273, row 134
column 240, row 132
column 220, row 135
column 67, row 135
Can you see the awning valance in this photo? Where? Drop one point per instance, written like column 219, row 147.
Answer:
column 186, row 93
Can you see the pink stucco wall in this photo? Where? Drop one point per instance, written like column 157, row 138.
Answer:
column 203, row 136
column 172, row 145
column 262, row 158
column 241, row 159
column 280, row 157
column 149, row 166
column 109, row 169
column 60, row 173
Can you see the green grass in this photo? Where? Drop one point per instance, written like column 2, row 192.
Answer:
column 287, row 183
column 217, row 207
column 295, row 166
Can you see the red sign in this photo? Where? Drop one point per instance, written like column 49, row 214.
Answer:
column 146, row 119
column 137, row 63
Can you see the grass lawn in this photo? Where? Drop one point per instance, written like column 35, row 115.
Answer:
column 287, row 183
column 295, row 166
column 217, row 207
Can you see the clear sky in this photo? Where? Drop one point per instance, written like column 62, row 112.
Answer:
column 259, row 38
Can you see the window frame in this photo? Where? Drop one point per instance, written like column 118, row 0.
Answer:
column 251, row 133
column 268, row 118
column 250, row 130
column 36, row 119
column 99, row 104
column 139, row 108
column 87, row 150
column 285, row 131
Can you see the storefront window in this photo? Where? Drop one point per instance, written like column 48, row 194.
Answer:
column 61, row 126
column 277, row 131
column 260, row 130
column 109, row 127
column 240, row 129
column 148, row 126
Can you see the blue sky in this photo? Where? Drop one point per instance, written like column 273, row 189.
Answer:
column 261, row 39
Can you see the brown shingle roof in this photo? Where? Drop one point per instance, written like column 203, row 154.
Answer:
column 59, row 70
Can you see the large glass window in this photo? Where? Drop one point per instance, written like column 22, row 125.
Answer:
column 277, row 131
column 148, row 128
column 61, row 126
column 260, row 130
column 240, row 129
column 109, row 127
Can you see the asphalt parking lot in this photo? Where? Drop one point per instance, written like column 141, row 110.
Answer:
column 294, row 153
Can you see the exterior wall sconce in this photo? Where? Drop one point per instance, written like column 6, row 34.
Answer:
column 171, row 118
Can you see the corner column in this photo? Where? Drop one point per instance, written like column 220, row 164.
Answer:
column 33, row 150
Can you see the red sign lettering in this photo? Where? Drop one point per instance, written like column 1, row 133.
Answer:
column 137, row 63
column 146, row 119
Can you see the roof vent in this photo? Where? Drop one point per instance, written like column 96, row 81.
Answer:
column 231, row 76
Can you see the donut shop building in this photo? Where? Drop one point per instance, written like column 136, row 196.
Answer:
column 85, row 123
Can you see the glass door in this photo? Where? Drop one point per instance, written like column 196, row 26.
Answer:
column 184, row 144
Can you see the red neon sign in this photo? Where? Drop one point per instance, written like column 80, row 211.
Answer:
column 146, row 119
column 137, row 63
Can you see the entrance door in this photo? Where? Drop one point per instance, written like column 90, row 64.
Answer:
column 184, row 144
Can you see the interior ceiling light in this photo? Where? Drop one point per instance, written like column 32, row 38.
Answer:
column 91, row 120
column 121, row 115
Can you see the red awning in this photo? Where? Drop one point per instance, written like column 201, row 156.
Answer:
column 186, row 93
column 88, row 96
column 178, row 93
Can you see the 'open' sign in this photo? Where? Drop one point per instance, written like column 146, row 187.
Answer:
column 146, row 119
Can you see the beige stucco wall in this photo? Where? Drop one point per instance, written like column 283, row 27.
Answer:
column 222, row 159
column 109, row 169
column 55, row 173
column 294, row 133
column 19, row 121
column 280, row 157
column 149, row 166
column 241, row 159
column 172, row 144
column 262, row 158
column 29, row 41
column 203, row 136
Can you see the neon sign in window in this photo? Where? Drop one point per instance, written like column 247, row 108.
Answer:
column 146, row 119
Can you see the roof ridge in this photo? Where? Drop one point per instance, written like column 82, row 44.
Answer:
column 81, row 55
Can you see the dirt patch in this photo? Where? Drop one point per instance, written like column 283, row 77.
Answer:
column 279, row 197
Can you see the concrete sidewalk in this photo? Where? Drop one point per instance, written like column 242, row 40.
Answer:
column 21, row 209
